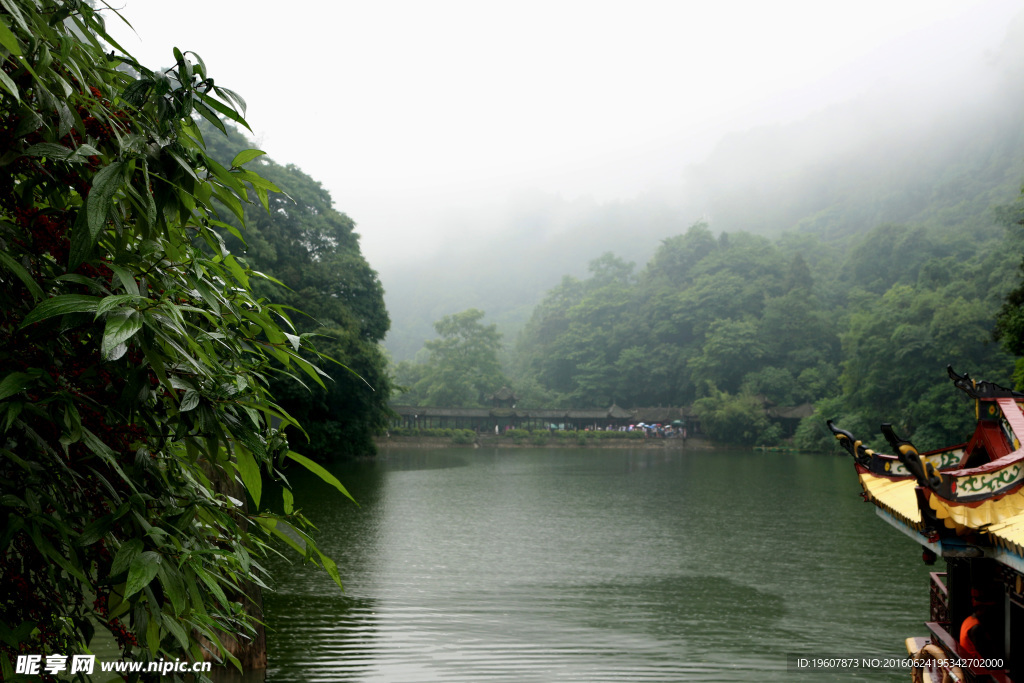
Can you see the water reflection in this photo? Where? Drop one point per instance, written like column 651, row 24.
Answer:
column 428, row 459
column 531, row 565
column 315, row 631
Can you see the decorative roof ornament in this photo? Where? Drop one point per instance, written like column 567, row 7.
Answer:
column 983, row 389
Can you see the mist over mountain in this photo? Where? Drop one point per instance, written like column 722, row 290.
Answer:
column 504, row 263
column 899, row 154
column 944, row 149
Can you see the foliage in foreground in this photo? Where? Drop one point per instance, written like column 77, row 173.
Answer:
column 134, row 368
column 305, row 243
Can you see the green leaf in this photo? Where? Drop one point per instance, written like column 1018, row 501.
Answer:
column 319, row 471
column 212, row 584
column 189, row 400
column 95, row 530
column 8, row 39
column 9, row 85
column 231, row 96
column 66, row 560
column 115, row 301
column 278, row 308
column 19, row 18
column 97, row 446
column 231, row 201
column 142, row 570
column 249, row 470
column 83, row 152
column 126, row 278
column 81, row 241
column 153, row 636
column 224, row 175
column 61, row 305
column 101, row 197
column 231, row 229
column 187, row 167
column 174, row 587
column 183, row 65
column 237, row 270
column 210, row 116
column 50, row 150
column 274, row 526
column 19, row 271
column 30, row 121
column 311, row 370
column 330, row 567
column 121, row 326
column 264, row 198
column 82, row 280
column 14, row 383
column 223, row 109
column 172, row 625
column 13, row 410
column 272, row 412
column 289, row 501
column 245, row 156
column 125, row 555
column 257, row 181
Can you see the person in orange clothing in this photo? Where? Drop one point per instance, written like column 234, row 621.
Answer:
column 976, row 638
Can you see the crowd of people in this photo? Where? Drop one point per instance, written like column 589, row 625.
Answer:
column 655, row 430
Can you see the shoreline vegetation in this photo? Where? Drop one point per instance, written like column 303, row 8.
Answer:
column 522, row 438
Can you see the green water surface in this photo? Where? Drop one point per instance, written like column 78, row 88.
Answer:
column 594, row 565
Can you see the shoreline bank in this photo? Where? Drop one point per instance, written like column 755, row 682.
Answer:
column 491, row 441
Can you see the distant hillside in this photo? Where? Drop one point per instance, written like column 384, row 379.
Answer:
column 894, row 156
column 540, row 239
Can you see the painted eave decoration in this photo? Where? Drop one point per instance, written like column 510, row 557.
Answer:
column 972, row 491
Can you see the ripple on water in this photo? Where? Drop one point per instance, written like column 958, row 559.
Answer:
column 574, row 567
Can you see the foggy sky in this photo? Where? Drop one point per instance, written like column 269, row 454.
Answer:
column 417, row 115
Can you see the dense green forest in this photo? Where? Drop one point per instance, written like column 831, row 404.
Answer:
column 940, row 153
column 312, row 251
column 732, row 323
column 715, row 321
column 845, row 268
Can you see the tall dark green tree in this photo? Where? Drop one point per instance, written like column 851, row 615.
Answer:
column 312, row 250
column 462, row 366
column 1009, row 327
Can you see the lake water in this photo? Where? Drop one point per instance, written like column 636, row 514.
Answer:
column 594, row 565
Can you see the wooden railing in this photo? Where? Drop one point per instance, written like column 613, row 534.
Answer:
column 939, row 598
column 942, row 637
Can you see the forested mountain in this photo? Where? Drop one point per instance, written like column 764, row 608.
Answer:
column 843, row 260
column 502, row 263
column 736, row 322
column 313, row 250
column 940, row 153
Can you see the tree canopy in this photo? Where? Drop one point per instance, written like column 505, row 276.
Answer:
column 461, row 368
column 135, row 410
column 737, row 323
column 312, row 252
